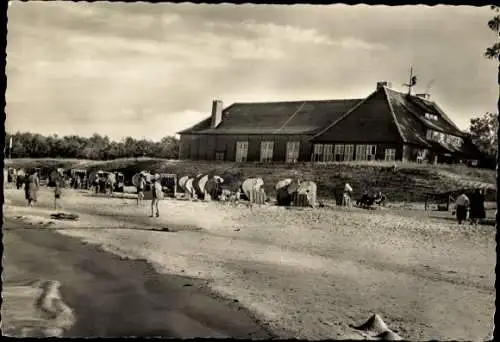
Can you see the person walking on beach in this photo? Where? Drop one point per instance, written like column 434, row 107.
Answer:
column 31, row 187
column 141, row 185
column 461, row 205
column 157, row 193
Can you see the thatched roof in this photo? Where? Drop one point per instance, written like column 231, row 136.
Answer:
column 294, row 117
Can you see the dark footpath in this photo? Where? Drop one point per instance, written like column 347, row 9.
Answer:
column 115, row 297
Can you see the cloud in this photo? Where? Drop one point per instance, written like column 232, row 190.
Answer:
column 287, row 33
column 243, row 49
column 359, row 44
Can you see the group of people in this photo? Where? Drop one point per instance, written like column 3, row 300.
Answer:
column 366, row 200
column 78, row 182
column 473, row 205
column 32, row 185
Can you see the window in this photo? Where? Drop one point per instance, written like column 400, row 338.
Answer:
column 349, row 152
column 241, row 151
column 323, row 153
column 441, row 137
column 360, row 152
column 219, row 156
column 317, row 152
column 339, row 152
column 327, row 153
column 370, row 152
column 430, row 116
column 266, row 151
column 390, row 154
column 292, row 151
column 455, row 141
column 435, row 136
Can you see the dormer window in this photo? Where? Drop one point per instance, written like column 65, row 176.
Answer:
column 443, row 138
column 430, row 116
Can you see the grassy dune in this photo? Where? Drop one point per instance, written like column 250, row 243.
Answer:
column 408, row 183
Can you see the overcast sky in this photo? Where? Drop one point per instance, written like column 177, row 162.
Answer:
column 149, row 70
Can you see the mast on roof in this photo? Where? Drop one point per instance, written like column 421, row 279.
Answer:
column 429, row 85
column 412, row 82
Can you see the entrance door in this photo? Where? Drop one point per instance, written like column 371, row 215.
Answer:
column 292, row 151
column 241, row 151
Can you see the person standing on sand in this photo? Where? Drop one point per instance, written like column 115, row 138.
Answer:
column 347, row 196
column 157, row 192
column 141, row 185
column 96, row 184
column 57, row 194
column 31, row 187
column 461, row 205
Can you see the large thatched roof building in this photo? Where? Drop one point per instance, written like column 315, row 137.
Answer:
column 387, row 125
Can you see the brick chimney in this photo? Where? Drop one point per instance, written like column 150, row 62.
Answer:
column 216, row 113
column 425, row 96
column 382, row 84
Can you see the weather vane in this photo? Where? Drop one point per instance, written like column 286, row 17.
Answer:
column 413, row 81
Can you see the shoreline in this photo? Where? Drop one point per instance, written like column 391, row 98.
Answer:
column 155, row 284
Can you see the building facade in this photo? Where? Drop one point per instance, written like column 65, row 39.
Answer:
column 387, row 125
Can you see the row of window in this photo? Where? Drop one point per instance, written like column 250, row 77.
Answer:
column 431, row 116
column 321, row 152
column 340, row 152
column 443, row 137
column 266, row 151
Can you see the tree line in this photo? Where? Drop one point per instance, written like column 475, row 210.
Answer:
column 97, row 147
column 484, row 134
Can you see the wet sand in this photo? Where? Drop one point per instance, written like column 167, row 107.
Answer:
column 112, row 296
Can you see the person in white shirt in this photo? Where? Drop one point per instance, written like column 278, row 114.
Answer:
column 346, row 197
column 461, row 205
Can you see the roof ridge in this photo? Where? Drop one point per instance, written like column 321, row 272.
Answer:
column 298, row 101
column 391, row 109
column 193, row 126
column 406, row 94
